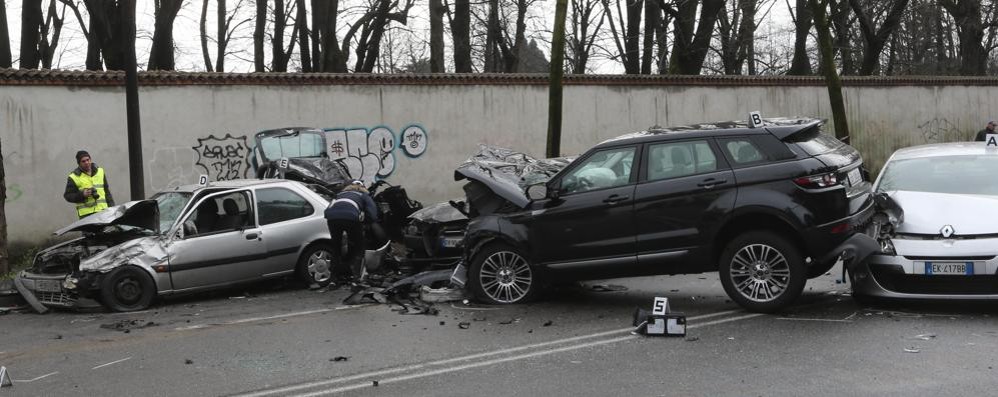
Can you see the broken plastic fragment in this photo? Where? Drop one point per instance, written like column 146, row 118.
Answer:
column 912, row 350
column 339, row 358
column 548, row 323
column 924, row 336
column 464, row 325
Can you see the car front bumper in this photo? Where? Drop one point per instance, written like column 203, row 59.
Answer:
column 48, row 289
column 905, row 276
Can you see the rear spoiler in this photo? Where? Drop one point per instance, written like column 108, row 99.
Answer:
column 783, row 132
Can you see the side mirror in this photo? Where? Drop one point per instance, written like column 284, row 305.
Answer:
column 538, row 191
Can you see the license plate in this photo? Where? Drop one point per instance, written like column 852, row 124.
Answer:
column 450, row 242
column 855, row 177
column 48, row 286
column 949, row 268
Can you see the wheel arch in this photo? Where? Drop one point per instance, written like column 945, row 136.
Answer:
column 752, row 221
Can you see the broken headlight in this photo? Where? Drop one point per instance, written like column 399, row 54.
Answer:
column 70, row 283
column 887, row 247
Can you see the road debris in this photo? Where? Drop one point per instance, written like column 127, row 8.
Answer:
column 692, row 338
column 339, row 359
column 506, row 321
column 912, row 350
column 463, row 325
column 607, row 288
column 924, row 337
column 188, row 361
column 548, row 323
column 127, row 325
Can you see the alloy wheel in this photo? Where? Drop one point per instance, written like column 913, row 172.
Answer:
column 320, row 266
column 760, row 272
column 506, row 277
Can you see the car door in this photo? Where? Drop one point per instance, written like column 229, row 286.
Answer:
column 592, row 216
column 221, row 243
column 685, row 187
column 285, row 217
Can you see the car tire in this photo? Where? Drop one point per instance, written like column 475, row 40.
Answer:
column 501, row 275
column 315, row 265
column 762, row 271
column 127, row 289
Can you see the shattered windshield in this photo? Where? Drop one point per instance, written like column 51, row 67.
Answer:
column 298, row 144
column 968, row 174
column 170, row 206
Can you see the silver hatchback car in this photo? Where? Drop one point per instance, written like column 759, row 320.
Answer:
column 188, row 239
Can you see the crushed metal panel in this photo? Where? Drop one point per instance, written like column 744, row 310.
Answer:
column 142, row 214
column 143, row 252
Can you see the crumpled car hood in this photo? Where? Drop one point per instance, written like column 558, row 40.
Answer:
column 438, row 213
column 316, row 170
column 141, row 251
column 142, row 214
column 927, row 213
column 508, row 172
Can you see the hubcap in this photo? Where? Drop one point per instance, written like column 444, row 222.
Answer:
column 505, row 277
column 320, row 266
column 760, row 272
column 128, row 290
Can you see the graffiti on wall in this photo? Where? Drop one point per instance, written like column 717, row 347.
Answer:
column 937, row 130
column 224, row 158
column 13, row 192
column 369, row 153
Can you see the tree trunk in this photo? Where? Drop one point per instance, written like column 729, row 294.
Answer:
column 461, row 31
column 689, row 49
column 557, row 72
column 492, row 37
column 318, row 26
column 303, row 35
column 874, row 40
column 632, row 37
column 746, row 36
column 161, row 54
column 4, row 260
column 106, row 31
column 31, row 24
column 5, row 62
column 222, row 43
column 203, row 29
column 819, row 8
column 515, row 62
column 261, row 26
column 94, row 61
column 970, row 29
column 801, row 64
column 437, row 36
column 333, row 59
column 277, row 62
column 843, row 36
column 662, row 40
column 653, row 16
column 46, row 46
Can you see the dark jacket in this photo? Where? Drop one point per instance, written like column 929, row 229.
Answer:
column 982, row 134
column 348, row 206
column 74, row 195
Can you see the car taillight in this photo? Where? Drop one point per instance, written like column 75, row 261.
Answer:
column 817, row 181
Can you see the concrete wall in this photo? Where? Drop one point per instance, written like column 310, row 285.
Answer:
column 190, row 130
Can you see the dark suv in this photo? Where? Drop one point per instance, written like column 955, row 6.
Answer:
column 767, row 207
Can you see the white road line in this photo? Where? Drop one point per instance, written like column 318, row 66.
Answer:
column 38, row 378
column 459, row 358
column 112, row 362
column 830, row 320
column 275, row 317
column 511, row 358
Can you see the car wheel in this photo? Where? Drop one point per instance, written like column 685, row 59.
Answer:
column 127, row 289
column 500, row 274
column 762, row 271
column 315, row 266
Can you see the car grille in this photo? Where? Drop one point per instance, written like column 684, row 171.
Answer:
column 55, row 298
column 893, row 278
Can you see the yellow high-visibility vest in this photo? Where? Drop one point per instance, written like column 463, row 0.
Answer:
column 96, row 182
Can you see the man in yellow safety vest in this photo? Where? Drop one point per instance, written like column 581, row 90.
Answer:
column 87, row 187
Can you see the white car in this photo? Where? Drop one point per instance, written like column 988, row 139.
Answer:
column 936, row 225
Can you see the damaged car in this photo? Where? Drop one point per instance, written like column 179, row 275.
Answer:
column 767, row 207
column 191, row 238
column 435, row 234
column 934, row 223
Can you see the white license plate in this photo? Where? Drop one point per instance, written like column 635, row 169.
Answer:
column 855, row 177
column 48, row 286
column 949, row 268
column 450, row 242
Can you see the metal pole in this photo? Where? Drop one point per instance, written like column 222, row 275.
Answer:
column 135, row 170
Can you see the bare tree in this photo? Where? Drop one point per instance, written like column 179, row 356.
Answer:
column 819, row 8
column 5, row 62
column 31, row 25
column 493, row 55
column 106, row 33
column 258, row 36
column 460, row 26
column 692, row 37
column 875, row 39
column 737, row 36
column 842, row 22
column 585, row 14
column 970, row 29
column 626, row 41
column 437, row 10
column 281, row 55
column 301, row 24
column 161, row 54
column 48, row 43
column 372, row 26
column 203, row 26
column 801, row 64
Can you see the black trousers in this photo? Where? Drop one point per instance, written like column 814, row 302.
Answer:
column 352, row 262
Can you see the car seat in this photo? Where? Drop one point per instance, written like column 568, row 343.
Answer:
column 233, row 219
column 682, row 164
column 207, row 217
column 747, row 154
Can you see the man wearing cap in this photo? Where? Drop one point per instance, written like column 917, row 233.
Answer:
column 990, row 129
column 348, row 212
column 87, row 187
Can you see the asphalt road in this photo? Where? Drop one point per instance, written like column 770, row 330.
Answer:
column 576, row 341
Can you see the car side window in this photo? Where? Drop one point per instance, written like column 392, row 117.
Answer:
column 604, row 169
column 280, row 204
column 743, row 151
column 219, row 214
column 677, row 159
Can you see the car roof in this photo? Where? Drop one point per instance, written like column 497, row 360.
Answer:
column 232, row 184
column 779, row 126
column 940, row 150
